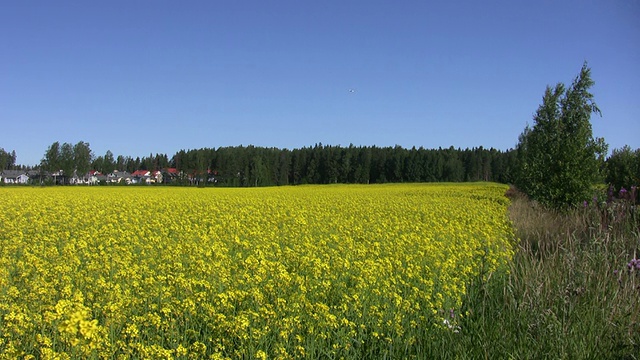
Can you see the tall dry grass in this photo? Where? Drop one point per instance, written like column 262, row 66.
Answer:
column 573, row 291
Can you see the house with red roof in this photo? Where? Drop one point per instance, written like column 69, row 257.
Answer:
column 170, row 174
column 146, row 177
column 141, row 177
column 156, row 176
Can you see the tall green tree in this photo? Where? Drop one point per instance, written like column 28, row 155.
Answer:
column 109, row 164
column 82, row 158
column 51, row 160
column 559, row 159
column 121, row 163
column 7, row 159
column 66, row 161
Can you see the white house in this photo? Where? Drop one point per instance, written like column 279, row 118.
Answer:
column 141, row 176
column 119, row 177
column 15, row 177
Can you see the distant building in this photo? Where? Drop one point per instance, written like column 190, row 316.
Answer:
column 15, row 177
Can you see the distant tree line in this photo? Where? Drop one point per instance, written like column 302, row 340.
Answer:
column 107, row 163
column 319, row 164
column 326, row 164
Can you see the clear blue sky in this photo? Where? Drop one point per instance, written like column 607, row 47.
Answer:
column 141, row 77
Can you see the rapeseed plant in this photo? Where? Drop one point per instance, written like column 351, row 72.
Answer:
column 289, row 272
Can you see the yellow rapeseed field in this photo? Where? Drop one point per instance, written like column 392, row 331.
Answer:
column 288, row 272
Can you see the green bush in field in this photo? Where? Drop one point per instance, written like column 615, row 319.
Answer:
column 623, row 168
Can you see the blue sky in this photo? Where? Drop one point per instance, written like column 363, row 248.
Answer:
column 141, row 77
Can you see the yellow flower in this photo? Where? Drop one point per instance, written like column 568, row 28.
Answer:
column 104, row 268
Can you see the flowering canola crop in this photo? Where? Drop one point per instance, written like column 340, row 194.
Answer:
column 289, row 272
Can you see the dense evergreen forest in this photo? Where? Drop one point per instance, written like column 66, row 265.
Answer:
column 325, row 164
column 318, row 164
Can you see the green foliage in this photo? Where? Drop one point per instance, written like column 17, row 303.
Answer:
column 82, row 157
column 559, row 160
column 51, row 160
column 7, row 159
column 623, row 168
column 68, row 158
column 66, row 161
column 326, row 164
column 105, row 164
column 320, row 164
